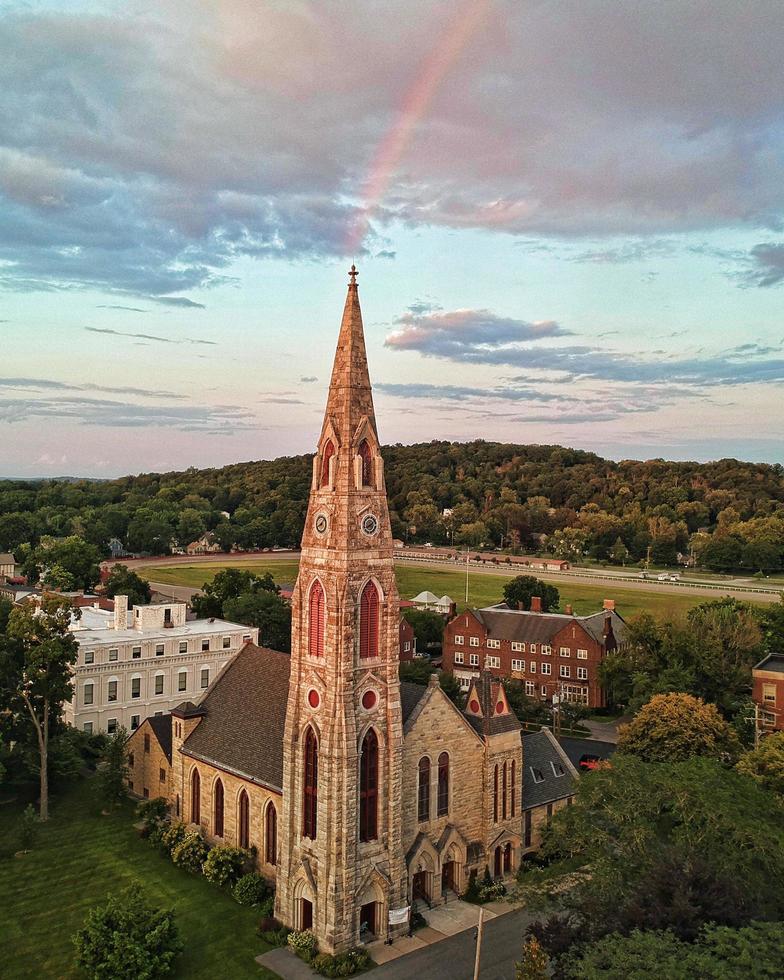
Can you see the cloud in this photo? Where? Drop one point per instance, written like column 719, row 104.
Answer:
column 149, row 336
column 769, row 261
column 145, row 152
column 128, row 309
column 213, row 420
column 460, row 392
column 179, row 301
column 634, row 251
column 386, row 253
column 460, row 333
column 308, row 379
column 50, row 384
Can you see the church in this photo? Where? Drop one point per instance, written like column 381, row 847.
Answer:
column 360, row 794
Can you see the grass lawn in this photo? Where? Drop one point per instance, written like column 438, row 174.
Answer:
column 484, row 589
column 78, row 858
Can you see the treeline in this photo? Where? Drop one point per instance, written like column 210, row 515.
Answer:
column 727, row 515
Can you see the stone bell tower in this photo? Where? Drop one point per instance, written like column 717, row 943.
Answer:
column 341, row 867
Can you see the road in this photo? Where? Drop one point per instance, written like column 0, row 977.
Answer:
column 611, row 581
column 453, row 958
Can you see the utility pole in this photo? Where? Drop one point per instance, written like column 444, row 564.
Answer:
column 466, row 591
column 479, row 929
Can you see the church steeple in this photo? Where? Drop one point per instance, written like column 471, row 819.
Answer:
column 341, row 829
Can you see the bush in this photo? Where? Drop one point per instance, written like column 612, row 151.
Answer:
column 171, row 836
column 417, row 921
column 304, row 944
column 489, row 893
column 152, row 812
column 127, row 939
column 272, row 932
column 251, row 889
column 191, row 852
column 471, row 894
column 342, row 964
column 224, row 865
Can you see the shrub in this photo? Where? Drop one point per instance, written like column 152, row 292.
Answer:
column 471, row 894
column 418, row 921
column 191, row 852
column 127, row 939
column 224, row 865
column 251, row 889
column 489, row 893
column 152, row 812
column 272, row 932
column 342, row 964
column 171, row 836
column 304, row 944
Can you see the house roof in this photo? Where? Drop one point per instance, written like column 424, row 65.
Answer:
column 774, row 662
column 6, row 558
column 548, row 775
column 410, row 696
column 245, row 716
column 162, row 729
column 520, row 625
column 489, row 691
column 578, row 749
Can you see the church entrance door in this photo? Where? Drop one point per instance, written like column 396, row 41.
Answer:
column 367, row 921
column 419, row 886
column 449, row 876
column 306, row 914
column 498, row 863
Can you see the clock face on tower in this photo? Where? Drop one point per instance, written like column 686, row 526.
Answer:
column 321, row 524
column 369, row 524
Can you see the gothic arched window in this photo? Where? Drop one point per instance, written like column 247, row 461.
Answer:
column 243, row 838
column 443, row 785
column 217, row 809
column 495, row 795
column 367, row 463
column 195, row 796
column 326, row 455
column 316, row 616
column 271, row 835
column 368, row 621
column 310, row 786
column 368, row 787
column 503, row 793
column 423, row 795
column 512, row 782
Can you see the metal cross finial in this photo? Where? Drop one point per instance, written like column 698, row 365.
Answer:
column 352, row 274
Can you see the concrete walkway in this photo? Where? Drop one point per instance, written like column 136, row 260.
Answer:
column 443, row 922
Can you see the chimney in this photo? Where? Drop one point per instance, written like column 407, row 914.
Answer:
column 433, row 681
column 568, row 609
column 609, row 604
column 519, row 606
column 121, row 612
column 536, row 603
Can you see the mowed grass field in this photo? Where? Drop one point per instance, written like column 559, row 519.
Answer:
column 484, row 588
column 78, row 858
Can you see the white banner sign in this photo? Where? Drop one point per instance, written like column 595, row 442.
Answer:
column 399, row 916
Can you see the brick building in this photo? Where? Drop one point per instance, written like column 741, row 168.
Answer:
column 408, row 648
column 768, row 691
column 550, row 653
column 361, row 794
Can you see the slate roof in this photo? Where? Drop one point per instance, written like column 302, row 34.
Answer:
column 774, row 662
column 548, row 775
column 522, row 626
column 245, row 716
column 410, row 696
column 489, row 723
column 162, row 729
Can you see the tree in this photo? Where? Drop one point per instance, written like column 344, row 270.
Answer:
column 266, row 610
column 765, row 764
column 123, row 580
column 619, row 553
column 128, row 939
column 66, row 563
column 519, row 591
column 45, row 650
column 534, row 963
column 229, row 584
column 113, row 770
column 723, row 553
column 428, row 628
column 675, row 727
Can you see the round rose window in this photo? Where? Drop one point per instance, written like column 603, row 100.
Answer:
column 473, row 705
column 369, row 700
column 313, row 699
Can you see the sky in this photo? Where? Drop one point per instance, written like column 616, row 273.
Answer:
column 568, row 220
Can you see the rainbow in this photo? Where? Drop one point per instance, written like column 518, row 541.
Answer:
column 463, row 25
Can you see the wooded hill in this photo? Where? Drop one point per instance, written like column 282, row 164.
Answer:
column 533, row 498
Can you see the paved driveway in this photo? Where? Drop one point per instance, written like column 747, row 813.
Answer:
column 453, row 958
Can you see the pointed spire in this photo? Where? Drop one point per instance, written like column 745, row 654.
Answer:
column 350, row 395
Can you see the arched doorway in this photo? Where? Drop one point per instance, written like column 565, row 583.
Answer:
column 498, row 863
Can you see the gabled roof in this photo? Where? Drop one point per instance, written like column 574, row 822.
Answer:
column 489, row 692
column 523, row 626
column 410, row 696
column 774, row 662
column 245, row 715
column 580, row 749
column 548, row 775
column 161, row 726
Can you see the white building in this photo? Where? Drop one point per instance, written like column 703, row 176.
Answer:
column 427, row 600
column 134, row 665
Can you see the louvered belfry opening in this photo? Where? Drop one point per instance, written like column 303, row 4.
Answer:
column 316, row 618
column 368, row 622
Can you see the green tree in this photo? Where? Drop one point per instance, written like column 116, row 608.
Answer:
column 765, row 764
column 428, row 628
column 619, row 553
column 43, row 651
column 66, row 563
column 266, row 610
column 675, row 727
column 519, row 591
column 113, row 768
column 230, row 583
column 535, row 962
column 723, row 553
column 126, row 938
column 123, row 580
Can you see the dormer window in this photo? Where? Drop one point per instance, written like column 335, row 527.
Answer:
column 326, row 455
column 367, row 464
column 537, row 774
